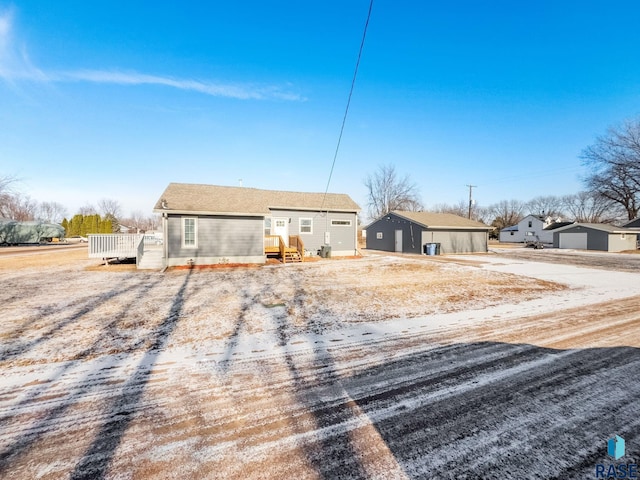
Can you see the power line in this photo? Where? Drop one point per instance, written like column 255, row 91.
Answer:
column 346, row 111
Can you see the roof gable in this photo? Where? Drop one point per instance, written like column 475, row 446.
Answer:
column 440, row 220
column 215, row 199
column 603, row 227
column 633, row 224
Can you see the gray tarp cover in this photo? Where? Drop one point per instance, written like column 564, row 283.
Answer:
column 12, row 231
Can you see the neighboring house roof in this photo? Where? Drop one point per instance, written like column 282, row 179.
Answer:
column 556, row 225
column 441, row 220
column 633, row 224
column 215, row 199
column 604, row 227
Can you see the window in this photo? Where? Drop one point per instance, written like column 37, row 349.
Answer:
column 267, row 225
column 306, row 225
column 340, row 223
column 280, row 223
column 379, row 235
column 189, row 233
column 530, row 224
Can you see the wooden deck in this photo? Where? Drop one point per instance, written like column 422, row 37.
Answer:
column 275, row 246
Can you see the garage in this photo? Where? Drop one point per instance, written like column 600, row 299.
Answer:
column 409, row 232
column 595, row 236
column 576, row 241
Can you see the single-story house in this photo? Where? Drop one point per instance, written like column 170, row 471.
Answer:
column 536, row 228
column 211, row 224
column 595, row 236
column 408, row 232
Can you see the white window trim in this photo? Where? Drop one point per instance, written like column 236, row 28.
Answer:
column 378, row 235
column 195, row 232
column 339, row 225
column 310, row 232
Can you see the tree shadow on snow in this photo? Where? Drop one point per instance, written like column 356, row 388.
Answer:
column 123, row 408
column 36, row 392
column 498, row 410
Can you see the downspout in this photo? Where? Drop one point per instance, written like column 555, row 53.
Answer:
column 355, row 233
column 165, row 240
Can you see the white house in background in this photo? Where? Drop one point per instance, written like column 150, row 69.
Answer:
column 532, row 228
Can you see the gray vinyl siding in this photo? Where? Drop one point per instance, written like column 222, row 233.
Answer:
column 387, row 225
column 342, row 238
column 600, row 240
column 382, row 227
column 218, row 236
column 596, row 239
column 414, row 236
column 457, row 241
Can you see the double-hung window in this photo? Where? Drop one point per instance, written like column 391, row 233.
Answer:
column 190, row 232
column 306, row 225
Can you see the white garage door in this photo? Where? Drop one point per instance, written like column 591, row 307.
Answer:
column 573, row 240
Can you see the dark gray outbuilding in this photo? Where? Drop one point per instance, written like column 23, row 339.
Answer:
column 408, row 232
column 595, row 236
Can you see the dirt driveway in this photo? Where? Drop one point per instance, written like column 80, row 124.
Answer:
column 385, row 367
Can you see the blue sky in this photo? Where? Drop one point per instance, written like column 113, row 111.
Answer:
column 117, row 99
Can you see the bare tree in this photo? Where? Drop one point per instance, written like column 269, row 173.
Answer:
column 87, row 210
column 614, row 163
column 590, row 207
column 18, row 207
column 141, row 222
column 506, row 213
column 110, row 208
column 6, row 194
column 546, row 205
column 387, row 192
column 461, row 209
column 51, row 212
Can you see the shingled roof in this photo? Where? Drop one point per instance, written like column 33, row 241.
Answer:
column 215, row 199
column 441, row 220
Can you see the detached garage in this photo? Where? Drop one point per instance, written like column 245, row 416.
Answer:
column 409, row 232
column 595, row 236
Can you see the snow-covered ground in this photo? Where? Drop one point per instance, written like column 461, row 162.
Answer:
column 385, row 367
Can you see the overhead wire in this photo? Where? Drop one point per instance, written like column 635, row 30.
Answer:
column 346, row 111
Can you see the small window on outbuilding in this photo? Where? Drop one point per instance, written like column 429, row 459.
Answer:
column 379, row 235
column 267, row 225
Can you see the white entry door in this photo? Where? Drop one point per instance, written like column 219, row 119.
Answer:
column 398, row 240
column 280, row 226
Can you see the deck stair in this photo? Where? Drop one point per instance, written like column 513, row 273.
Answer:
column 152, row 258
column 274, row 245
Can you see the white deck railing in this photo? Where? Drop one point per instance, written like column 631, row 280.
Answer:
column 114, row 245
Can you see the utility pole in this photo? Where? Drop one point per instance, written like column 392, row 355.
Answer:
column 470, row 198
